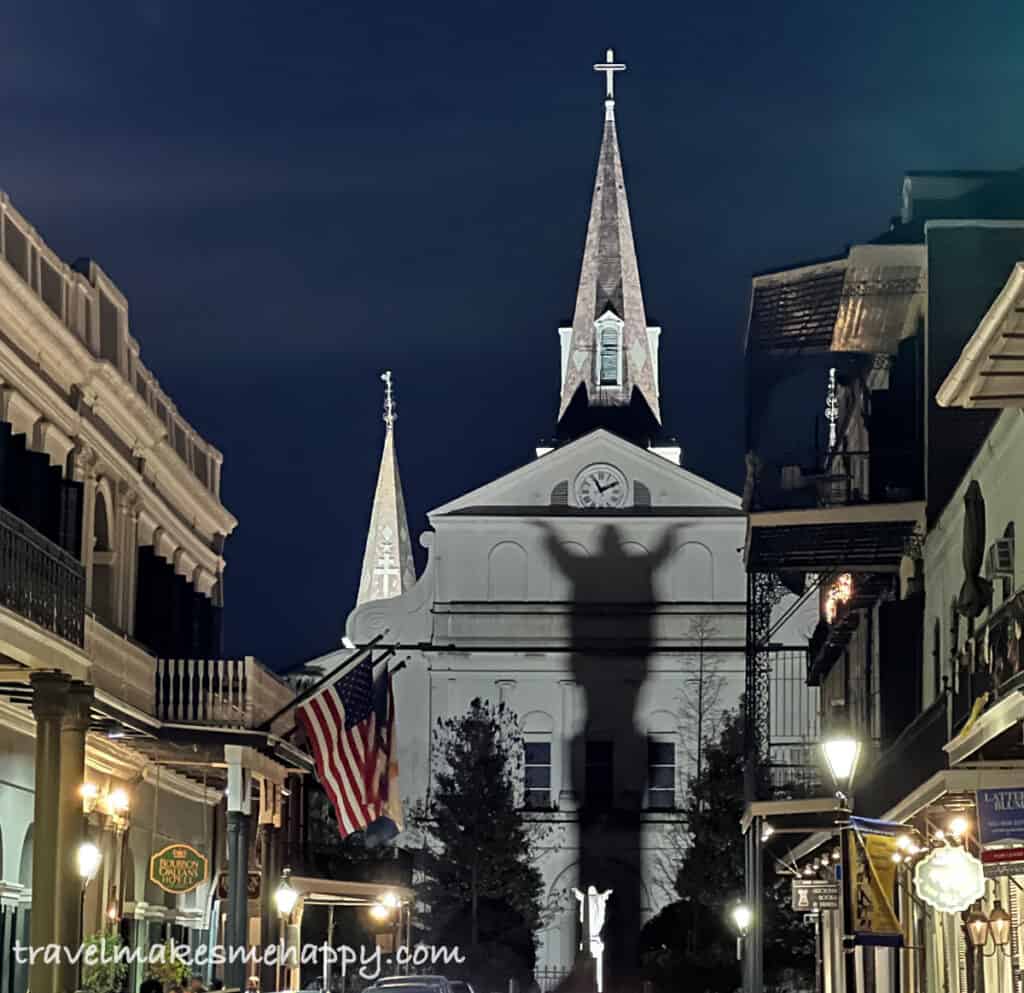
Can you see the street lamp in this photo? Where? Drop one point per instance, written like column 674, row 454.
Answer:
column 842, row 752
column 285, row 898
column 999, row 925
column 977, row 927
column 87, row 859
column 741, row 918
column 286, row 895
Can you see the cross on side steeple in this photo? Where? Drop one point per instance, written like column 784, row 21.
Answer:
column 390, row 411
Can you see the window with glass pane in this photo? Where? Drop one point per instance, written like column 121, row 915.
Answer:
column 609, row 356
column 537, row 768
column 661, row 775
column 599, row 775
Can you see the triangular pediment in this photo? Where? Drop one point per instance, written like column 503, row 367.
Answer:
column 533, row 485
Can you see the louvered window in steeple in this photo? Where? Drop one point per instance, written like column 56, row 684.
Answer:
column 609, row 350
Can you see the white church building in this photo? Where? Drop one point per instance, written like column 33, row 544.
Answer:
column 598, row 590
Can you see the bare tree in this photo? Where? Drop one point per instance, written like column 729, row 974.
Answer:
column 699, row 716
column 699, row 701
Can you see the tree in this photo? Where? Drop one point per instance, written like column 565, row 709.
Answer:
column 108, row 972
column 481, row 884
column 699, row 713
column 700, row 705
column 691, row 942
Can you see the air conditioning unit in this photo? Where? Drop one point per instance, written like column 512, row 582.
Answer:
column 1000, row 557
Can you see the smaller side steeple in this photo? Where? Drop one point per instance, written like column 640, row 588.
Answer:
column 388, row 569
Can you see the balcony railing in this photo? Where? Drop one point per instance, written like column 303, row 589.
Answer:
column 222, row 692
column 40, row 581
column 839, row 479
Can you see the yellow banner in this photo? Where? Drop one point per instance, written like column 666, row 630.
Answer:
column 871, row 882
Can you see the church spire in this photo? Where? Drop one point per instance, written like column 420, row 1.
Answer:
column 388, row 569
column 609, row 356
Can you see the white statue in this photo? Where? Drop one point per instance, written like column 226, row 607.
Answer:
column 592, row 914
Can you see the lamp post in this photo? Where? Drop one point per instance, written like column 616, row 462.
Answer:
column 285, row 898
column 842, row 750
column 87, row 860
column 741, row 918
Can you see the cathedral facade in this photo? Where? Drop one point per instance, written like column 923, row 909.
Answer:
column 599, row 591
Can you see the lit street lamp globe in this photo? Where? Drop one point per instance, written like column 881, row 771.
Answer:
column 286, row 895
column 741, row 917
column 87, row 859
column 842, row 752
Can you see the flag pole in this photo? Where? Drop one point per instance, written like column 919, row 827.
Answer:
column 345, row 664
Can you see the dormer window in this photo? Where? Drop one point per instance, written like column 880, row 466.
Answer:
column 609, row 349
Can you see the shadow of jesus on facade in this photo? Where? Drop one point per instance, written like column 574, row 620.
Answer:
column 611, row 636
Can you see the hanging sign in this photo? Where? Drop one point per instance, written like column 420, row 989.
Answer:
column 1001, row 817
column 871, row 882
column 178, row 868
column 814, row 894
column 1003, row 861
column 949, row 879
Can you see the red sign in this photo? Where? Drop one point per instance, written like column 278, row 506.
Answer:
column 997, row 856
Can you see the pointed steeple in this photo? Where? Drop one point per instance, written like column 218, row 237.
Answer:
column 388, row 569
column 609, row 353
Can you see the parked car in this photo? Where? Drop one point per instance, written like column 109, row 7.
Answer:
column 460, row 986
column 431, row 984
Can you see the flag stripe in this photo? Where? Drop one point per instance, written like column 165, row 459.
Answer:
column 350, row 728
column 321, row 754
column 329, row 724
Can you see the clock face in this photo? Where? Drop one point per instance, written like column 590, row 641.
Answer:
column 601, row 485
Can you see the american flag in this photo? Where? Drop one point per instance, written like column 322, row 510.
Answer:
column 350, row 725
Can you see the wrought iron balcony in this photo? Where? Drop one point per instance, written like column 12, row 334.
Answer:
column 858, row 511
column 839, row 480
column 40, row 581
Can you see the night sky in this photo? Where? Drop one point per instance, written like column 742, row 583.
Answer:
column 296, row 196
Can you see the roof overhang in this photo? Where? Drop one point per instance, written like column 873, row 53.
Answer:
column 847, row 538
column 990, row 370
column 791, row 816
column 317, row 889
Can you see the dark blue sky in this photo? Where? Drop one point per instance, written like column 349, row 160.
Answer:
column 295, row 196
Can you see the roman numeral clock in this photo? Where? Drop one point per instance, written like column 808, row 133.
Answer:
column 600, row 486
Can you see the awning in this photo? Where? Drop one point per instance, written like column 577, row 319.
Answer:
column 316, row 889
column 966, row 779
column 990, row 369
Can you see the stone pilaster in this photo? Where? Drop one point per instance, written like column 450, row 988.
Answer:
column 50, row 692
column 71, row 825
column 83, row 469
column 563, row 757
column 128, row 543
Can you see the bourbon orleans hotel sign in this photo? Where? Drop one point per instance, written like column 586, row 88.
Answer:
column 178, row 868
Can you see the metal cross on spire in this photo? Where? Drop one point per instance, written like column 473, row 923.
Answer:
column 390, row 413
column 609, row 67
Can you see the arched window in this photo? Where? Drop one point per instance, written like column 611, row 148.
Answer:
column 103, row 556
